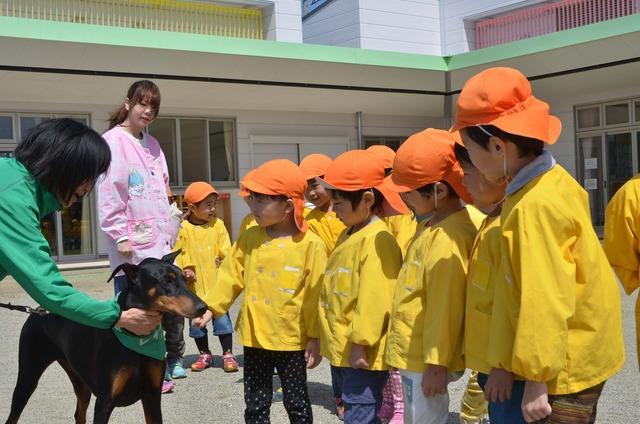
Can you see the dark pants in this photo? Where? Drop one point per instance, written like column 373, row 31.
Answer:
column 336, row 382
column 173, row 325
column 258, row 385
column 509, row 411
column 362, row 394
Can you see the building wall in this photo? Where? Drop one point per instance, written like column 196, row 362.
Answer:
column 409, row 26
column 283, row 21
column 337, row 24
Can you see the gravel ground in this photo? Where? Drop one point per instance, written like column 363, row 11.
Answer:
column 215, row 397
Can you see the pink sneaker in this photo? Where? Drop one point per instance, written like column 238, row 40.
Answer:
column 229, row 363
column 203, row 362
column 167, row 387
column 398, row 418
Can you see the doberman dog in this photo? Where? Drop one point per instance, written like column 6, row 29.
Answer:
column 95, row 361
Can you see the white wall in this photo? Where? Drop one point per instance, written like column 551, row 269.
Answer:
column 459, row 35
column 410, row 26
column 283, row 21
column 337, row 24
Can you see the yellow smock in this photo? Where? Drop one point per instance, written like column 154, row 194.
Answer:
column 621, row 232
column 403, row 228
column 481, row 280
column 247, row 222
column 557, row 308
column 427, row 323
column 281, row 280
column 326, row 225
column 200, row 245
column 357, row 294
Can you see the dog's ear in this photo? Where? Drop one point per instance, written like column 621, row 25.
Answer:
column 130, row 270
column 171, row 257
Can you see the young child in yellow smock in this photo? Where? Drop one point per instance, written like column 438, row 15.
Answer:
column 425, row 338
column 621, row 234
column 278, row 265
column 357, row 290
column 204, row 243
column 557, row 314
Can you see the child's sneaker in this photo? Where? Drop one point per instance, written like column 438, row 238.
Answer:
column 229, row 363
column 167, row 387
column 203, row 362
column 176, row 370
column 340, row 409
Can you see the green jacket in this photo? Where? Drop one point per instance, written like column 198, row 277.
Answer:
column 25, row 255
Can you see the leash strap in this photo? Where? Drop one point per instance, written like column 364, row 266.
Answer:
column 22, row 308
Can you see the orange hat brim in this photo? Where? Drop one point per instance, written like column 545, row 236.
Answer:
column 533, row 122
column 393, row 204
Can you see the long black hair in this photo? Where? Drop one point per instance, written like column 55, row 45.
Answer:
column 63, row 154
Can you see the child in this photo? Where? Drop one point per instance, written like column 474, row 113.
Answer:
column 324, row 222
column 426, row 329
column 133, row 208
column 621, row 233
column 403, row 226
column 504, row 395
column 557, row 314
column 357, row 290
column 204, row 243
column 278, row 264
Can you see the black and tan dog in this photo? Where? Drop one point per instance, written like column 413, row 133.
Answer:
column 94, row 359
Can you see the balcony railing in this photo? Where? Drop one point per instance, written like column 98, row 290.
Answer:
column 548, row 18
column 161, row 15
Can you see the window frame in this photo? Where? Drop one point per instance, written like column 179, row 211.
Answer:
column 180, row 183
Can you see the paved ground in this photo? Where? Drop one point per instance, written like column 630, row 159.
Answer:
column 215, row 397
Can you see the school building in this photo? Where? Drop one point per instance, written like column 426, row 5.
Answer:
column 245, row 81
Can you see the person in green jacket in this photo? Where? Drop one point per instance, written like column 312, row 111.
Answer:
column 55, row 165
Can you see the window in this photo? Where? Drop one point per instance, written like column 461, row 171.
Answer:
column 637, row 103
column 197, row 149
column 392, row 142
column 588, row 117
column 617, row 114
column 6, row 129
column 28, row 122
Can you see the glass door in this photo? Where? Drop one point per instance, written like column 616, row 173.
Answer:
column 620, row 167
column 590, row 160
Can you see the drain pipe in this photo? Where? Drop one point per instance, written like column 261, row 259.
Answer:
column 359, row 129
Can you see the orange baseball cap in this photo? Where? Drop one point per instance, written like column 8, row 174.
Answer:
column 358, row 170
column 502, row 97
column 425, row 158
column 315, row 165
column 243, row 190
column 196, row 192
column 383, row 154
column 280, row 177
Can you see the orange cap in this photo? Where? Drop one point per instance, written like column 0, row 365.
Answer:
column 315, row 165
column 196, row 192
column 280, row 177
column 243, row 190
column 358, row 170
column 383, row 154
column 502, row 97
column 425, row 158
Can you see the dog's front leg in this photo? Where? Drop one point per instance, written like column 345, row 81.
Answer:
column 152, row 407
column 103, row 409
